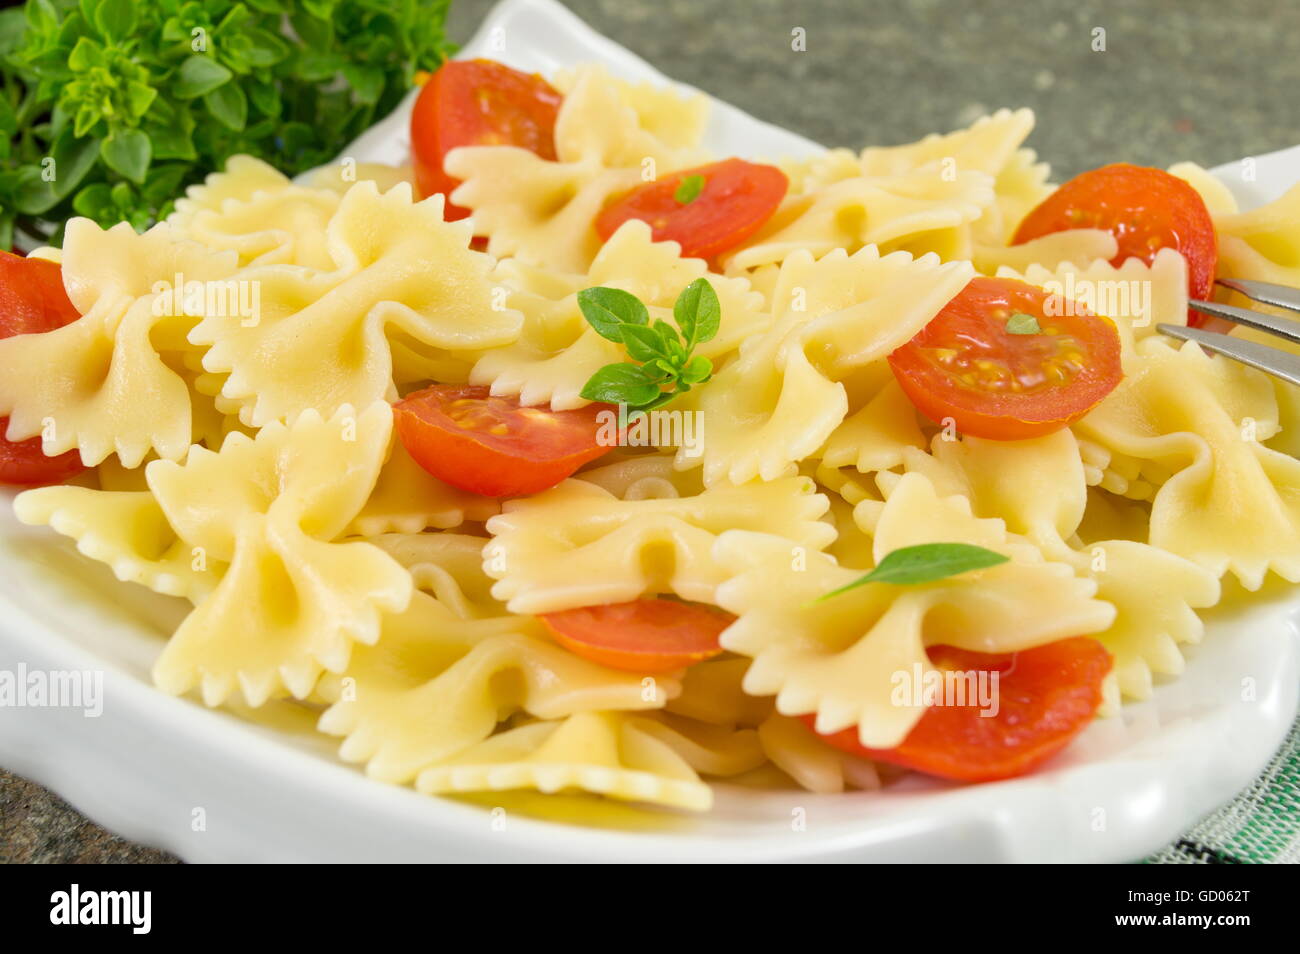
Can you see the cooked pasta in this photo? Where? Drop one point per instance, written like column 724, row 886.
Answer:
column 435, row 593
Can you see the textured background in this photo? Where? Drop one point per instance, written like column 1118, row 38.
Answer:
column 1179, row 79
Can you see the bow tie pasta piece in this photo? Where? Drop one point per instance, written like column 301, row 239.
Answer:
column 291, row 602
column 1231, row 503
column 991, row 145
column 103, row 384
column 252, row 209
column 408, row 499
column 243, row 178
column 1038, row 487
column 712, row 693
column 818, row 767
column 343, row 174
column 578, row 545
column 1262, row 244
column 1051, row 251
column 873, row 437
column 558, row 351
column 822, row 169
column 842, row 657
column 783, row 397
column 245, row 533
column 605, row 753
column 644, row 477
column 609, row 138
column 1136, row 296
column 919, row 212
column 322, row 340
column 126, row 530
column 448, row 566
column 436, row 684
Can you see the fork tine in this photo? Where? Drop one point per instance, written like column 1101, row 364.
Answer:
column 1280, row 296
column 1280, row 364
column 1287, row 328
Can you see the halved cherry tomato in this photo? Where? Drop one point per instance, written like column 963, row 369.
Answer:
column 478, row 103
column 735, row 199
column 32, row 297
column 25, row 464
column 966, row 365
column 491, row 445
column 1045, row 697
column 1146, row 210
column 649, row 635
column 32, row 301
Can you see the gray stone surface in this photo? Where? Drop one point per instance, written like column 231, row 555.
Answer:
column 1179, row 79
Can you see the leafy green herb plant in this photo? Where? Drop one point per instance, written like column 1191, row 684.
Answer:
column 110, row 107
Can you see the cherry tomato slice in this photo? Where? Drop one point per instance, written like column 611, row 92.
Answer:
column 735, row 198
column 478, row 103
column 491, row 445
column 1146, row 210
column 25, row 464
column 32, row 297
column 649, row 635
column 32, row 301
column 968, row 366
column 1045, row 697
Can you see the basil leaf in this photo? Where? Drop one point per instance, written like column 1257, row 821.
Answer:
column 228, row 105
column 689, row 189
column 1022, row 324
column 925, row 563
column 698, row 313
column 116, row 19
column 642, row 343
column 621, row 384
column 698, row 370
column 199, row 75
column 608, row 309
column 127, row 152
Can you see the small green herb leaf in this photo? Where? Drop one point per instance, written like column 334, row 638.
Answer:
column 621, row 384
column 689, row 189
column 609, row 309
column 698, row 370
column 127, row 152
column 925, row 563
column 1022, row 324
column 698, row 313
column 198, row 76
column 644, row 344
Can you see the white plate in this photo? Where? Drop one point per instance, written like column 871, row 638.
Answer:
column 212, row 787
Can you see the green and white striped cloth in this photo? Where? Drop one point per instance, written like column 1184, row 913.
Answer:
column 1259, row 826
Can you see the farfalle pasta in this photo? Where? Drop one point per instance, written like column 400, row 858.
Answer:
column 569, row 457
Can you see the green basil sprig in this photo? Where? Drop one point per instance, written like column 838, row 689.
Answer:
column 924, row 563
column 664, row 364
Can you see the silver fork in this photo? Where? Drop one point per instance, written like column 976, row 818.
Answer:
column 1280, row 364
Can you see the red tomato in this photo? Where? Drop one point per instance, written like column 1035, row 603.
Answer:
column 649, row 635
column 478, row 103
column 490, row 445
column 32, row 298
column 966, row 365
column 32, row 301
column 25, row 464
column 1146, row 210
column 735, row 199
column 1046, row 696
